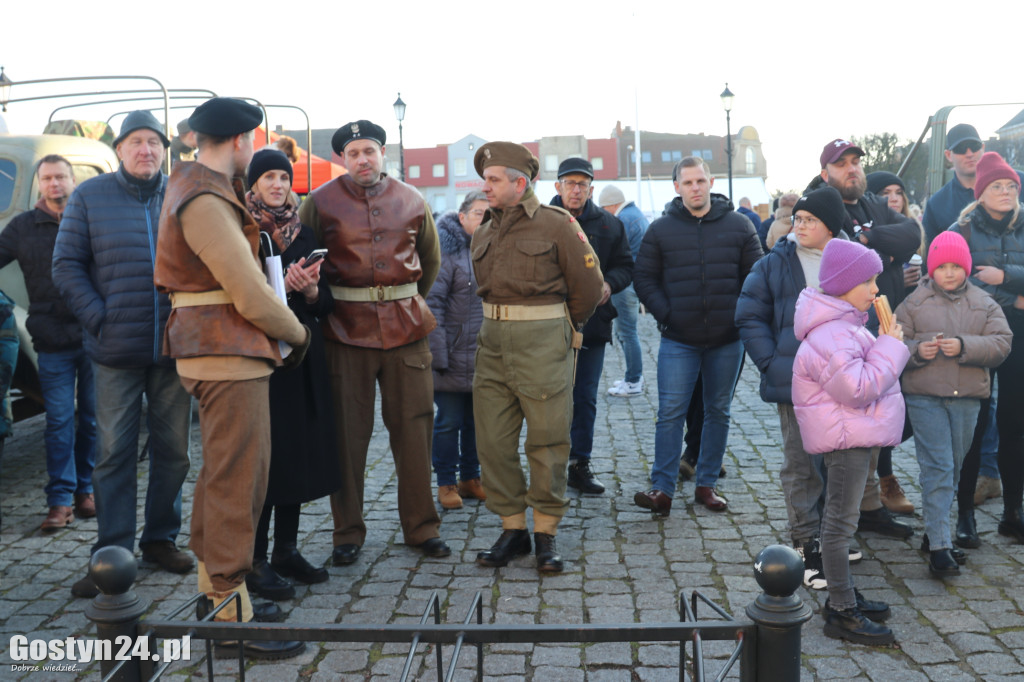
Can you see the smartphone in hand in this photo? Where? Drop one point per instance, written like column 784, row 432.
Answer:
column 315, row 257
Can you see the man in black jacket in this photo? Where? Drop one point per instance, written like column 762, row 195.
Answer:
column 607, row 237
column 689, row 273
column 57, row 339
column 895, row 237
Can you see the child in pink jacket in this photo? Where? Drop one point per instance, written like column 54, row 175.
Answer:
column 846, row 395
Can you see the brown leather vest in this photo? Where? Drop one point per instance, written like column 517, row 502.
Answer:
column 370, row 235
column 206, row 329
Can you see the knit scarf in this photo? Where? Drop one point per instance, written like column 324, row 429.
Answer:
column 281, row 223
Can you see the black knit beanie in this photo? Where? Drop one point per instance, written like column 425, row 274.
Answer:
column 265, row 160
column 825, row 204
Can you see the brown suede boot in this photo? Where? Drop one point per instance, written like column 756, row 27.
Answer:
column 472, row 489
column 893, row 497
column 448, row 496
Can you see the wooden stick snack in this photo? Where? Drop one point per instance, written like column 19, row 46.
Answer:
column 884, row 313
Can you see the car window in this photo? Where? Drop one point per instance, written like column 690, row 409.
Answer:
column 8, row 172
column 83, row 172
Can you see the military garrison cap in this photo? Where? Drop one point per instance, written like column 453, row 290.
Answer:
column 508, row 154
column 357, row 130
column 141, row 119
column 225, row 117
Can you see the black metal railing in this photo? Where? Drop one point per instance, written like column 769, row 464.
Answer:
column 767, row 646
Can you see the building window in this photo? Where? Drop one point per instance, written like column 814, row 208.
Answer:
column 460, row 167
column 438, row 170
column 751, row 161
column 677, row 156
column 392, row 169
column 597, row 162
column 702, row 154
column 644, row 157
column 414, row 171
column 551, row 163
column 666, row 156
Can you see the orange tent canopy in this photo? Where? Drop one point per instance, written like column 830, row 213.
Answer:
column 323, row 170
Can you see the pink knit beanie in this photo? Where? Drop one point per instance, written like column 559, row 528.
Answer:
column 949, row 247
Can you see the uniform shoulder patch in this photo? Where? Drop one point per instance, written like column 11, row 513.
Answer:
column 582, row 236
column 589, row 260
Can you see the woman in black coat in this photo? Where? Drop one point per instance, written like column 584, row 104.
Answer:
column 303, row 463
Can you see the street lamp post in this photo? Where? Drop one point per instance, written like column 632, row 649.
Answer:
column 5, row 89
column 727, row 104
column 400, row 115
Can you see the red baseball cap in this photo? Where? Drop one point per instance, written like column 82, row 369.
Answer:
column 836, row 148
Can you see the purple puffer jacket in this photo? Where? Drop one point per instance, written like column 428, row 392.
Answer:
column 846, row 389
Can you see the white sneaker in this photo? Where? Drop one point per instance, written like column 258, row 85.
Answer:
column 626, row 388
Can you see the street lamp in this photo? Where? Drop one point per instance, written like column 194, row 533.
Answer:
column 727, row 105
column 400, row 115
column 5, row 89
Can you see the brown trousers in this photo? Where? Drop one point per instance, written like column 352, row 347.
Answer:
column 407, row 407
column 234, row 418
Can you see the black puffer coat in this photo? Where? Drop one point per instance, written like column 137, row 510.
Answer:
column 690, row 271
column 1001, row 245
column 456, row 306
column 607, row 236
column 29, row 239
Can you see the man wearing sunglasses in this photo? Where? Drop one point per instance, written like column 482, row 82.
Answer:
column 963, row 151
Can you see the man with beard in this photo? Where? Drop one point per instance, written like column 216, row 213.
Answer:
column 607, row 236
column 895, row 237
column 223, row 333
column 383, row 255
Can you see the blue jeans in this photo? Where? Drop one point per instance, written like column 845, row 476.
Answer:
column 589, row 363
column 678, row 368
column 943, row 429
column 847, row 473
column 169, row 419
column 70, row 453
column 628, row 306
column 454, row 438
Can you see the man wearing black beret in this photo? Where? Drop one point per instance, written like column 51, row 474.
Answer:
column 223, row 333
column 607, row 237
column 383, row 255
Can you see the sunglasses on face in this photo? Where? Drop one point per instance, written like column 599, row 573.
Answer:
column 968, row 146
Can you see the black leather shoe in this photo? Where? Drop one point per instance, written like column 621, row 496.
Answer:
column 85, row 588
column 434, row 548
column 344, row 555
column 877, row 611
column 581, row 478
column 941, row 563
column 289, row 563
column 548, row 560
column 882, row 521
column 263, row 581
column 510, row 544
column 268, row 650
column 263, row 612
column 958, row 554
column 966, row 530
column 1012, row 524
column 853, row 626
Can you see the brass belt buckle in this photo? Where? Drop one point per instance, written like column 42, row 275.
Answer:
column 380, row 293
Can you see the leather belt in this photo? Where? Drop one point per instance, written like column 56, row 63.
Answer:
column 493, row 311
column 374, row 294
column 188, row 299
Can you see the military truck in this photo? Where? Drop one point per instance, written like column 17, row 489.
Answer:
column 19, row 191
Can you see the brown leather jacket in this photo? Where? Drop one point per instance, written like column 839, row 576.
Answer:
column 207, row 329
column 375, row 236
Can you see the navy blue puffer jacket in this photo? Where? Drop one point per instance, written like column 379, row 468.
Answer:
column 690, row 271
column 103, row 267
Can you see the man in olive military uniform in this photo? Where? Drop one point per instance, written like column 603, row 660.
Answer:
column 540, row 281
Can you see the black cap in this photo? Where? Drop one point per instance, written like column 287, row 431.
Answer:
column 576, row 165
column 268, row 159
column 225, row 117
column 357, row 130
column 879, row 180
column 961, row 132
column 141, row 119
column 825, row 204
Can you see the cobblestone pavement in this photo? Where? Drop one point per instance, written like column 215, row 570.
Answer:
column 622, row 566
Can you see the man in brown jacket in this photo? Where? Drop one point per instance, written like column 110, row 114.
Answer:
column 383, row 255
column 540, row 282
column 223, row 331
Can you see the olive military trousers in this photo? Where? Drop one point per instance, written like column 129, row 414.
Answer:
column 407, row 408
column 523, row 372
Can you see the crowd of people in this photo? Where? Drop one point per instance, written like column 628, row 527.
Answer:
column 497, row 315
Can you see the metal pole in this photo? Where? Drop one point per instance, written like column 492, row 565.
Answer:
column 636, row 143
column 117, row 610
column 728, row 148
column 778, row 614
column 401, row 152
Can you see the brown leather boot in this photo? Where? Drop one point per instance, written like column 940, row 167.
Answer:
column 893, row 497
column 472, row 489
column 448, row 496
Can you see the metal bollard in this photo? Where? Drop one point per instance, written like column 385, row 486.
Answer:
column 778, row 613
column 117, row 609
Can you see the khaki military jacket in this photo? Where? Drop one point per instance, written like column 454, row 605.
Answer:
column 532, row 254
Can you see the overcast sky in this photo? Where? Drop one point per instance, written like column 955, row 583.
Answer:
column 803, row 72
